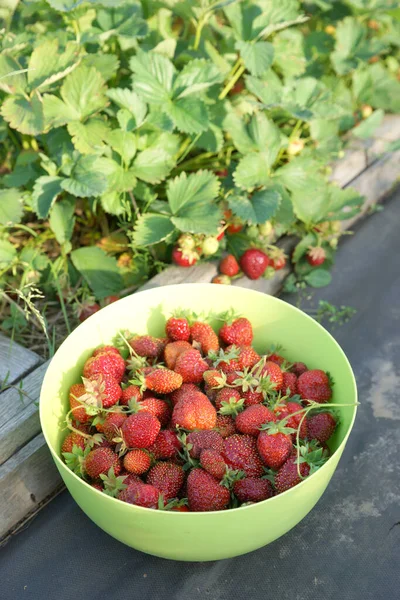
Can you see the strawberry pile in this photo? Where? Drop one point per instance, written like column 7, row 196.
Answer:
column 197, row 421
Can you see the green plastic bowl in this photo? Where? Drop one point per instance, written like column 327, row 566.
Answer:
column 213, row 535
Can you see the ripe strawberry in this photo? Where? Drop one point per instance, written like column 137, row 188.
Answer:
column 86, row 310
column 321, row 427
column 185, row 391
column 140, row 494
column 229, row 266
column 177, row 329
column 274, row 374
column 287, row 476
column 229, row 396
column 195, row 412
column 225, row 425
column 129, row 393
column 251, row 489
column 105, row 350
column 221, row 279
column 277, row 259
column 222, row 173
column 252, row 398
column 240, row 452
column 157, row 407
column 204, row 334
column 77, row 390
column 250, row 420
column 161, row 381
column 105, row 363
column 137, row 462
column 204, row 440
column 226, row 360
column 238, row 332
column 274, row 445
column 294, row 421
column 314, row 385
column 100, row 461
column 254, row 263
column 111, row 424
column 205, row 493
column 276, row 358
column 102, row 390
column 173, row 350
column 184, row 258
column 130, row 478
column 73, row 439
column 213, row 463
column 214, row 378
column 166, row 445
column 167, row 478
column 111, row 299
column 247, row 358
column 289, row 385
column 147, row 346
column 140, row 430
column 298, row 368
column 316, row 256
column 97, row 486
column 191, row 366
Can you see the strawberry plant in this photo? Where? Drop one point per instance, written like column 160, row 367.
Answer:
column 136, row 133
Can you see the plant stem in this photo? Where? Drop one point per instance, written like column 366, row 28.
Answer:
column 189, row 147
column 232, row 81
column 134, row 203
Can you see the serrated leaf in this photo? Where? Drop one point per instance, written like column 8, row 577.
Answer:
column 11, row 208
column 211, row 140
column 122, row 142
column 45, row 192
column 83, row 91
column 342, row 202
column 198, row 218
column 268, row 89
column 367, row 127
column 129, row 100
column 258, row 208
column 153, row 76
column 56, row 112
column 196, row 77
column 89, row 137
column 289, row 53
column 260, row 134
column 7, row 253
column 62, row 219
column 152, row 229
column 11, row 80
column 87, row 178
column 318, row 278
column 188, row 115
column 47, row 64
column 34, row 258
column 188, row 190
column 23, row 114
column 284, row 216
column 379, row 88
column 352, row 45
column 152, row 165
column 64, row 5
column 112, row 203
column 106, row 64
column 257, row 56
column 253, row 170
column 123, row 20
column 99, row 270
column 311, row 205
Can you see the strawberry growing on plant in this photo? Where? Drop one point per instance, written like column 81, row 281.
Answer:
column 254, row 263
column 229, row 266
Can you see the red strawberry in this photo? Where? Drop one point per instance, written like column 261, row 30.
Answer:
column 238, row 332
column 85, row 311
column 140, row 430
column 178, row 329
column 221, row 279
column 100, row 461
column 287, row 476
column 73, row 439
column 140, row 494
column 137, row 461
column 316, row 256
column 195, row 412
column 314, row 385
column 129, row 393
column 97, row 486
column 130, row 478
column 225, row 425
column 105, row 349
column 229, row 396
column 240, row 452
column 289, row 385
column 250, row 420
column 105, row 363
column 157, row 407
column 274, row 445
column 205, row 336
column 254, row 262
column 214, row 378
column 251, row 489
column 191, row 366
column 274, row 374
column 276, row 358
column 229, row 266
column 173, row 350
column 294, row 421
column 247, row 358
column 321, row 427
column 111, row 424
column 213, row 463
column 277, row 259
column 147, row 346
column 162, row 381
column 184, row 259
column 205, row 493
column 166, row 477
column 298, row 368
column 204, row 440
column 78, row 410
column 252, row 397
column 166, row 445
column 102, row 390
column 185, row 391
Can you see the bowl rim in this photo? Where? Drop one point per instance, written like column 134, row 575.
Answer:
column 188, row 514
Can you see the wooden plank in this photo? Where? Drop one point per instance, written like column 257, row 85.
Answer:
column 19, row 418
column 15, row 360
column 26, row 479
column 202, row 273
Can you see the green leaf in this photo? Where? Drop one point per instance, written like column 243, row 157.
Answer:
column 24, row 115
column 62, row 219
column 152, row 229
column 311, row 205
column 153, row 165
column 367, row 127
column 106, row 64
column 342, row 202
column 188, row 190
column 7, row 253
column 260, row 207
column 56, row 112
column 49, row 64
column 123, row 142
column 260, row 134
column 87, row 177
column 188, row 114
column 377, row 87
column 11, row 208
column 257, row 56
column 289, row 53
column 64, row 5
column 10, row 83
column 125, row 98
column 196, row 77
column 253, row 170
column 45, row 192
column 83, row 92
column 200, row 218
column 352, row 45
column 98, row 269
column 33, row 257
column 153, row 76
column 89, row 137
column 211, row 140
column 300, row 250
column 112, row 203
column 268, row 89
column 318, row 278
